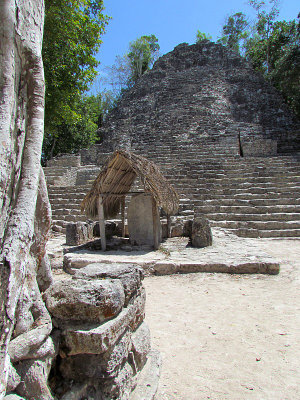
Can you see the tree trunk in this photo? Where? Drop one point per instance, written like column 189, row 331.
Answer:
column 25, row 324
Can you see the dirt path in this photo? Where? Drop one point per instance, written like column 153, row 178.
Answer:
column 229, row 336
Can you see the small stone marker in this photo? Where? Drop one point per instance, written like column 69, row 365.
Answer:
column 201, row 235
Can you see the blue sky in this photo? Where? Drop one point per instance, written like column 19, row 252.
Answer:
column 172, row 21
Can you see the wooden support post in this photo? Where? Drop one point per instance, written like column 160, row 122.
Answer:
column 155, row 217
column 101, row 223
column 123, row 216
column 168, row 226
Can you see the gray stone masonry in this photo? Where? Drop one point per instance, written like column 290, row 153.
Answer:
column 219, row 133
column 201, row 92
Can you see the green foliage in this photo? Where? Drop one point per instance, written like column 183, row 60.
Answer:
column 200, row 36
column 82, row 132
column 274, row 50
column 72, row 37
column 142, row 54
column 273, row 47
column 285, row 61
column 264, row 26
column 234, row 31
column 127, row 69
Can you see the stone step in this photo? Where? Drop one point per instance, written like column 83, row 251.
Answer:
column 252, row 202
column 238, row 209
column 255, row 233
column 61, row 212
column 260, row 225
column 219, row 191
column 254, row 217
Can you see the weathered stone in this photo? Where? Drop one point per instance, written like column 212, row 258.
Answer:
column 187, row 228
column 148, row 379
column 111, row 229
column 130, row 276
column 79, row 300
column 201, row 233
column 78, row 233
column 121, row 386
column 177, row 230
column 141, row 345
column 143, row 227
column 106, row 365
column 258, row 146
column 164, row 230
column 99, row 339
column 78, row 392
column 165, row 268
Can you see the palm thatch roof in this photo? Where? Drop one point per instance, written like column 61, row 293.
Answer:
column 116, row 179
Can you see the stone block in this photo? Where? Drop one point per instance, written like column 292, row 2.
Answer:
column 78, row 300
column 177, row 230
column 201, row 233
column 129, row 275
column 165, row 268
column 78, row 233
column 148, row 379
column 141, row 345
column 258, row 147
column 120, row 387
column 143, row 227
column 100, row 338
column 164, row 230
column 97, row 366
column 187, row 228
column 111, row 229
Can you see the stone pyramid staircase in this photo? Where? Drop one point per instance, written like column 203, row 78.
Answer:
column 251, row 196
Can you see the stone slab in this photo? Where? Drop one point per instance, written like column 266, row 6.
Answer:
column 141, row 345
column 148, row 379
column 169, row 268
column 97, row 366
column 228, row 254
column 99, row 339
column 143, row 227
column 129, row 275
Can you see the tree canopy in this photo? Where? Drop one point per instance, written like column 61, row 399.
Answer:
column 234, row 31
column 72, row 37
column 273, row 47
column 128, row 69
column 142, row 54
column 200, row 36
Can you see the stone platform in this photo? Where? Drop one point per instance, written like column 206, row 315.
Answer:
column 228, row 254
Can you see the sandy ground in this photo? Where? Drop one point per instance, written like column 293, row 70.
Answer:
column 229, row 336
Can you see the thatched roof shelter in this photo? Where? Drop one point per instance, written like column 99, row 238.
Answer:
column 116, row 178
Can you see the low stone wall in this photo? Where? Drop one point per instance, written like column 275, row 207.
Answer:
column 94, row 155
column 64, row 160
column 85, row 174
column 257, row 145
column 104, row 342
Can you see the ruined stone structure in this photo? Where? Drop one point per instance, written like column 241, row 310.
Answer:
column 219, row 132
column 104, row 342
